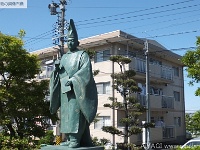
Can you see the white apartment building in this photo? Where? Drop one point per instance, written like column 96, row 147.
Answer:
column 167, row 105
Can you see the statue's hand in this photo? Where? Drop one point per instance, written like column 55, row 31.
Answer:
column 68, row 83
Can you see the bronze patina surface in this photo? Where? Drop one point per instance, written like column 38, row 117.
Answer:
column 73, row 90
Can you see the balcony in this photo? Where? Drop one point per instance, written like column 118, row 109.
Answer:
column 157, row 101
column 156, row 71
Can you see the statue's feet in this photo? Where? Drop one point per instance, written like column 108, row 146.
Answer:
column 73, row 145
column 65, row 143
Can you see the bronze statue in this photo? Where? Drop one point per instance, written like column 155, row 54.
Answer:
column 73, row 90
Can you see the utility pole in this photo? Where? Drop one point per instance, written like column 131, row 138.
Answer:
column 59, row 40
column 61, row 25
column 113, row 95
column 148, row 106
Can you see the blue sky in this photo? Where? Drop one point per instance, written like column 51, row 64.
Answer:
column 174, row 24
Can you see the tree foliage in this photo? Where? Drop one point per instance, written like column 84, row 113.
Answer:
column 193, row 123
column 191, row 60
column 124, row 83
column 23, row 108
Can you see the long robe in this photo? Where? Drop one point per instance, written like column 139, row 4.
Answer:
column 78, row 99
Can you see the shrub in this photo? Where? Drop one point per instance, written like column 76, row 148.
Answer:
column 48, row 138
column 16, row 144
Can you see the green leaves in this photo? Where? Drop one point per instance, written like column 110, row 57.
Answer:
column 112, row 130
column 135, row 130
column 15, row 61
column 191, row 60
column 22, row 98
column 120, row 59
column 193, row 123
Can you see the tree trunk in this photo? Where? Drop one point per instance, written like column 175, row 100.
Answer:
column 12, row 131
column 126, row 125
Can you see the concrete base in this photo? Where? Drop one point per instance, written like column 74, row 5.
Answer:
column 58, row 147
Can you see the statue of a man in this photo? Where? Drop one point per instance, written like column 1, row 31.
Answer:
column 73, row 89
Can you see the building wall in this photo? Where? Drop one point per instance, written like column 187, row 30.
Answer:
column 168, row 86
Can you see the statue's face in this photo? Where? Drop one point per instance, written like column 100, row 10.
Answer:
column 72, row 44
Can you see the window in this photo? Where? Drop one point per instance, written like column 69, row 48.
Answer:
column 49, row 70
column 177, row 121
column 103, row 121
column 103, row 88
column 176, row 71
column 102, row 56
column 152, row 119
column 159, row 122
column 141, row 65
column 155, row 62
column 168, row 132
column 177, row 96
column 125, row 53
column 46, row 71
column 166, row 73
column 155, row 91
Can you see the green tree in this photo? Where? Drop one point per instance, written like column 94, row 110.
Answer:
column 188, row 122
column 193, row 123
column 191, row 60
column 22, row 99
column 124, row 83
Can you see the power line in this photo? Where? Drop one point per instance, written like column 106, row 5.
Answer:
column 36, row 38
column 178, row 33
column 122, row 18
column 192, row 16
column 43, row 35
column 40, row 36
column 149, row 18
column 152, row 8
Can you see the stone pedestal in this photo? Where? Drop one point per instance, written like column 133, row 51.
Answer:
column 58, row 147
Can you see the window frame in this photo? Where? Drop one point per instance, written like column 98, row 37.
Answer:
column 102, row 55
column 104, row 87
column 103, row 121
column 177, row 96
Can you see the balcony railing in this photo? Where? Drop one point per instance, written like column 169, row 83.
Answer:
column 157, row 101
column 156, row 70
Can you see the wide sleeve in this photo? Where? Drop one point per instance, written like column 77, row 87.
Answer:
column 85, row 88
column 83, row 76
column 54, row 87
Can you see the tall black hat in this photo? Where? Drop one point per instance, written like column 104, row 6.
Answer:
column 72, row 33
